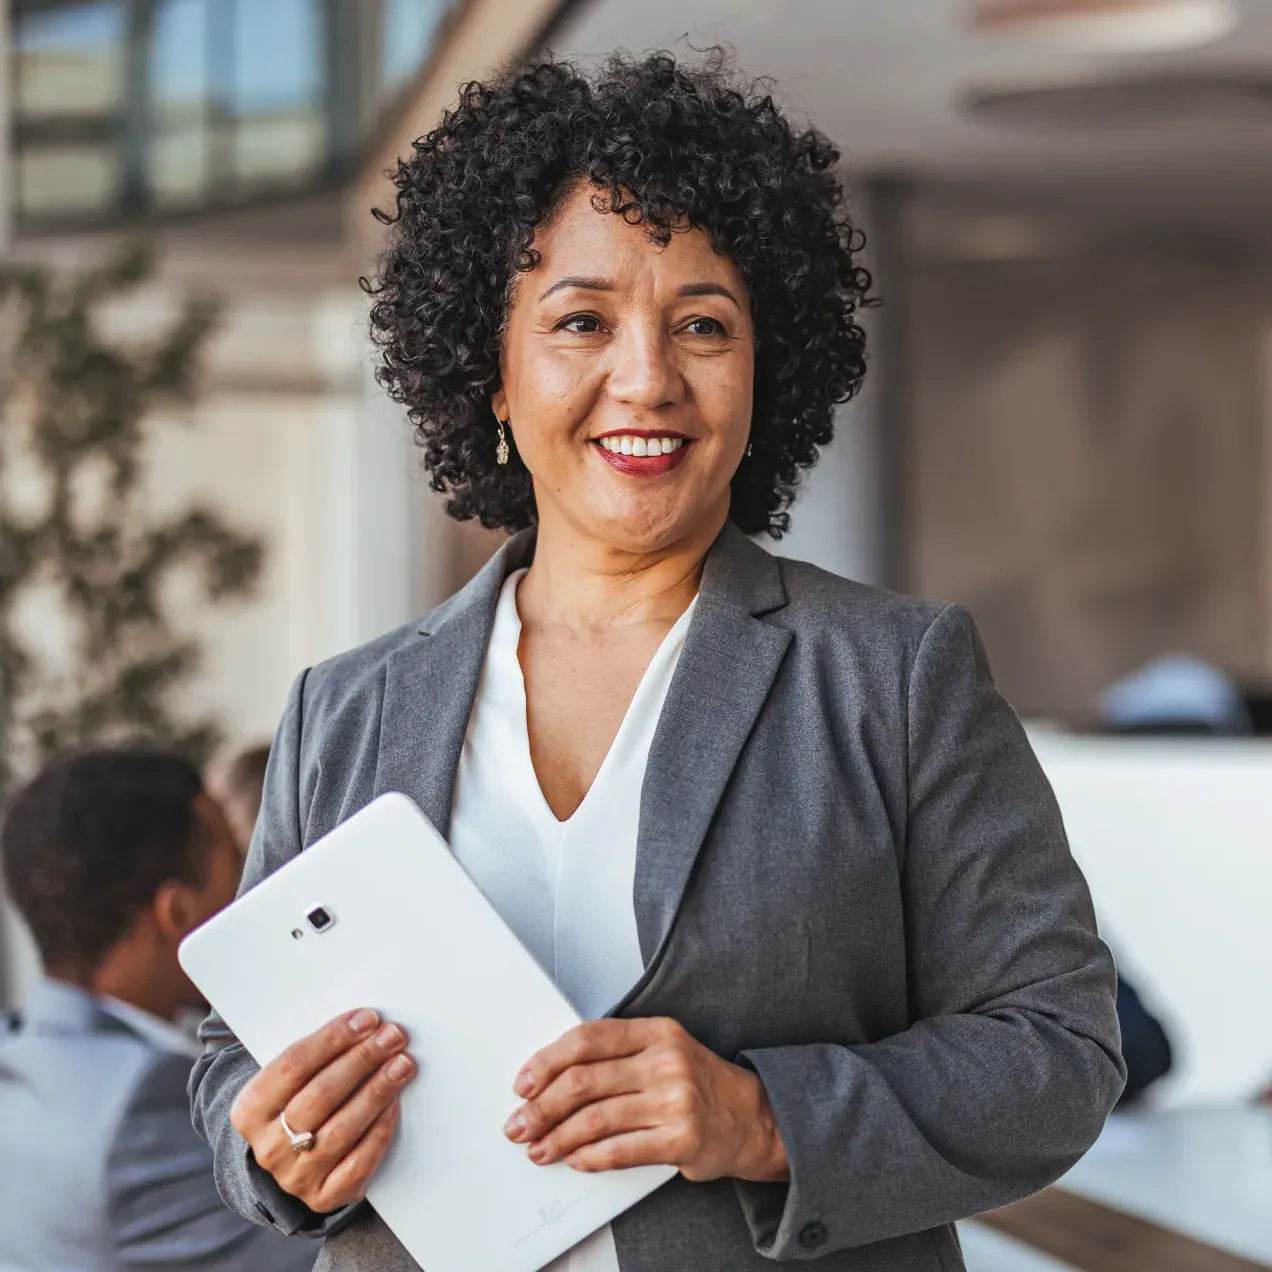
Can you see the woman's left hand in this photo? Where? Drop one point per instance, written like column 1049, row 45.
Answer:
column 612, row 1094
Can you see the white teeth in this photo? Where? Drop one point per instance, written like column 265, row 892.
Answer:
column 626, row 444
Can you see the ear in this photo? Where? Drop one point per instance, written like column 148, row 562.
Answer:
column 176, row 911
column 499, row 404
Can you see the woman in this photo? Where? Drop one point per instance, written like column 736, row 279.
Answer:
column 784, row 822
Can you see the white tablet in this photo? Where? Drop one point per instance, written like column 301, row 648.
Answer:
column 380, row 914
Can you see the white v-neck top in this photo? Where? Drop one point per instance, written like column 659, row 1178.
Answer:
column 564, row 887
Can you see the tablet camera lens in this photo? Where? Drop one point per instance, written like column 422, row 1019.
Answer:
column 319, row 919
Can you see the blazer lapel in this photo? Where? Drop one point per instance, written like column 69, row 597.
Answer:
column 429, row 689
column 726, row 669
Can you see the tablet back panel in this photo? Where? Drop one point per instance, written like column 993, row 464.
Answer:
column 414, row 938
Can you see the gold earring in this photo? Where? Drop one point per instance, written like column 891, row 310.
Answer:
column 501, row 451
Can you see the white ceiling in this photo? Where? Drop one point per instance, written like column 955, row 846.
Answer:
column 884, row 79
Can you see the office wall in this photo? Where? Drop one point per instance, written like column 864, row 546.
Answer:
column 1086, row 464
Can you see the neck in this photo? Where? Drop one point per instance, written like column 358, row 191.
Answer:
column 127, row 974
column 580, row 582
column 148, row 997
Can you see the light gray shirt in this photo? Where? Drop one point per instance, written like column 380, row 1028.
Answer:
column 100, row 1168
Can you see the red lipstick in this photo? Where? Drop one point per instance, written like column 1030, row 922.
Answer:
column 643, row 465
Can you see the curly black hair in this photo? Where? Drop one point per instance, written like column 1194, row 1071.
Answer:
column 664, row 145
column 87, row 843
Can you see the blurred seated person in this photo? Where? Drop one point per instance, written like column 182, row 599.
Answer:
column 1145, row 1044
column 111, row 857
column 1172, row 696
column 236, row 780
column 1176, row 695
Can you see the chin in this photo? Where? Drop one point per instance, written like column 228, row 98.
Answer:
column 644, row 527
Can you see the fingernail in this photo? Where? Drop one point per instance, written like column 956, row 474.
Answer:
column 399, row 1069
column 515, row 1127
column 524, row 1084
column 389, row 1037
column 363, row 1021
column 538, row 1155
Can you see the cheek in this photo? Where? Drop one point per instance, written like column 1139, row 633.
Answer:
column 550, row 397
column 724, row 391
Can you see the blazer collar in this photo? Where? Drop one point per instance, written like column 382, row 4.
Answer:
column 430, row 684
column 56, row 1007
column 53, row 1006
column 726, row 669
column 736, row 571
column 482, row 592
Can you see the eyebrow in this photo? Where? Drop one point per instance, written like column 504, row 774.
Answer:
column 708, row 289
column 604, row 285
column 581, row 284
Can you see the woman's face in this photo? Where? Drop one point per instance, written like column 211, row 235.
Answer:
column 616, row 346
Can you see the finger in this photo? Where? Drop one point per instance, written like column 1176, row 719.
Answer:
column 301, row 1173
column 312, row 1106
column 600, row 1121
column 344, row 1130
column 608, row 1039
column 579, row 1086
column 621, row 1152
column 269, row 1092
column 348, row 1182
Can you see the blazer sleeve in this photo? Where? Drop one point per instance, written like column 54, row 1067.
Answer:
column 1011, row 1063
column 225, row 1067
column 161, row 1198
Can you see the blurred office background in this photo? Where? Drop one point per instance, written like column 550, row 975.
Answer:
column 1067, row 425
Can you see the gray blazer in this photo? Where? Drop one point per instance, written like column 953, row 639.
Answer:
column 100, row 1169
column 852, row 876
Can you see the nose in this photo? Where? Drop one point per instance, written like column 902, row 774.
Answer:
column 644, row 373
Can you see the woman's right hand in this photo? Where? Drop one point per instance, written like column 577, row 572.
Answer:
column 342, row 1083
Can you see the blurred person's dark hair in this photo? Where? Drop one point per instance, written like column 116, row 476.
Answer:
column 236, row 780
column 89, row 841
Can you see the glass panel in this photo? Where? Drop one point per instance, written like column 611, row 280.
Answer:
column 406, row 38
column 69, row 108
column 181, row 85
column 276, row 90
column 279, row 145
column 68, row 180
column 70, row 61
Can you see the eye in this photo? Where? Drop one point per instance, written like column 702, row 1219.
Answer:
column 704, row 327
column 580, row 324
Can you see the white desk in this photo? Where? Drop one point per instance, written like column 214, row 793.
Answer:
column 1153, row 1187
column 1205, row 1173
column 1172, row 834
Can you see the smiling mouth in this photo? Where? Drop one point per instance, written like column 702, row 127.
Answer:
column 642, row 454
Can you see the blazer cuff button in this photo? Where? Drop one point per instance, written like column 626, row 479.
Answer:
column 813, row 1235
